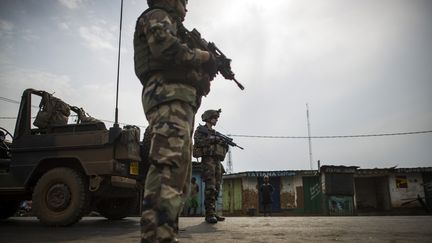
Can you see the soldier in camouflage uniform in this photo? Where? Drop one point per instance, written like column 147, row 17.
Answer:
column 174, row 78
column 212, row 151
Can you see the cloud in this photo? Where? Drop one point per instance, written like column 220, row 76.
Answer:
column 29, row 36
column 6, row 25
column 63, row 26
column 362, row 67
column 6, row 28
column 71, row 4
column 9, row 31
column 97, row 37
column 16, row 79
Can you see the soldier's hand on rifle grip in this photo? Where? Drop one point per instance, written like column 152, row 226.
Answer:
column 210, row 66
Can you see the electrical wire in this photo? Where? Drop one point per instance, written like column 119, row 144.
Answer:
column 15, row 101
column 334, row 136
column 266, row 136
column 9, row 100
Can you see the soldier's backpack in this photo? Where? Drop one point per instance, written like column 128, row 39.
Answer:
column 52, row 111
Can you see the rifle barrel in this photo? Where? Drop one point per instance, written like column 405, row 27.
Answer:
column 238, row 84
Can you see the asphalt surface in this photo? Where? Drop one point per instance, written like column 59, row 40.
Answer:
column 234, row 229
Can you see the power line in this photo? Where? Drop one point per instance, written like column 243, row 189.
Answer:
column 17, row 102
column 124, row 124
column 9, row 100
column 262, row 136
column 337, row 136
column 14, row 101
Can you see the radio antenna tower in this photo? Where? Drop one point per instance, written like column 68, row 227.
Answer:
column 309, row 136
column 229, row 162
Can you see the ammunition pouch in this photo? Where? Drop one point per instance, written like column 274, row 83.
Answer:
column 214, row 150
column 197, row 152
column 219, row 151
column 199, row 80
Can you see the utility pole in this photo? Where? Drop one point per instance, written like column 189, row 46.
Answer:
column 309, row 136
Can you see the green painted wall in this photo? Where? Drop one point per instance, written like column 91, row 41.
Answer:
column 312, row 194
column 232, row 195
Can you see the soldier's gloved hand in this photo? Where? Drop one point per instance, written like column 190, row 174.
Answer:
column 210, row 67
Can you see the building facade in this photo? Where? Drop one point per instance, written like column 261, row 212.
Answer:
column 241, row 194
column 333, row 190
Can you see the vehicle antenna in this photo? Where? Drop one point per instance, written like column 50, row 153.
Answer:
column 118, row 67
column 115, row 131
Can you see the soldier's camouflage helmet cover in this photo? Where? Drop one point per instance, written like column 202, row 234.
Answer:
column 208, row 114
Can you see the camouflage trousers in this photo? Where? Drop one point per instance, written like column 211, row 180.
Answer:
column 169, row 174
column 212, row 176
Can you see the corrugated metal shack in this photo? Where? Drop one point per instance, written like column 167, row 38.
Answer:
column 334, row 190
column 241, row 194
column 393, row 190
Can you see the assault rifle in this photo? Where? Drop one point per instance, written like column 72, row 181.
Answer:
column 219, row 136
column 193, row 38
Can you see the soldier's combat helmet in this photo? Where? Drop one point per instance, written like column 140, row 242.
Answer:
column 208, row 114
column 150, row 3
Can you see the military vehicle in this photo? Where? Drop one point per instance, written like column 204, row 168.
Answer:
column 67, row 170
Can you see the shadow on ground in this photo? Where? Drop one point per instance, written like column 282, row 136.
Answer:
column 31, row 230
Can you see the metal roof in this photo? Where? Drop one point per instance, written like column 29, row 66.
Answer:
column 276, row 173
column 361, row 172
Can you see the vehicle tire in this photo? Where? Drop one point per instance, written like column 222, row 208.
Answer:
column 116, row 208
column 60, row 197
column 8, row 209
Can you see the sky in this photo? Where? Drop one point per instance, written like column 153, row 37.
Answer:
column 363, row 67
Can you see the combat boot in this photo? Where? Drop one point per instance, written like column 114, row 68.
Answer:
column 219, row 218
column 211, row 219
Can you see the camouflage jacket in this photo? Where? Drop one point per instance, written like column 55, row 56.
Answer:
column 167, row 67
column 206, row 144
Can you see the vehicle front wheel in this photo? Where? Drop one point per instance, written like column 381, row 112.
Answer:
column 60, row 197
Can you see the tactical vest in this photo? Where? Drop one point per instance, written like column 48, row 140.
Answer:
column 218, row 150
column 145, row 63
column 215, row 150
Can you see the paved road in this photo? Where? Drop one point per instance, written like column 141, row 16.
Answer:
column 234, row 229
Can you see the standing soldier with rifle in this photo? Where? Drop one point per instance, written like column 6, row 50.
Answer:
column 212, row 147
column 174, row 78
column 175, row 73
